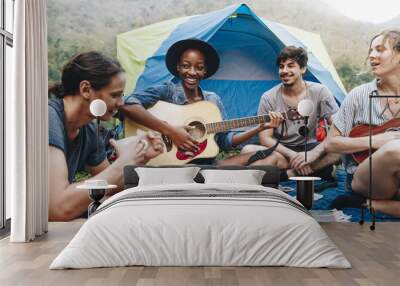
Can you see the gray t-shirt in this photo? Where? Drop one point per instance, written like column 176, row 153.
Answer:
column 354, row 111
column 324, row 107
column 80, row 152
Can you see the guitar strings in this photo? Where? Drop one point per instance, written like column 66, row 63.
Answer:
column 231, row 120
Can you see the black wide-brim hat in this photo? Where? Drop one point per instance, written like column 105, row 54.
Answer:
column 175, row 52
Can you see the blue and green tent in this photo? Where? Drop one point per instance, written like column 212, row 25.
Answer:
column 247, row 44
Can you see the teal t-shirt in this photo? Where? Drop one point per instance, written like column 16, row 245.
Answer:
column 80, row 152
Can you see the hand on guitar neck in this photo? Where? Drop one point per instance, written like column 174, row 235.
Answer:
column 276, row 119
column 184, row 138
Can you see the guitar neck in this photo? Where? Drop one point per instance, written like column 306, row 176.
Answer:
column 226, row 125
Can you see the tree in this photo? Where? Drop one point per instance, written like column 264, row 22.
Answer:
column 352, row 75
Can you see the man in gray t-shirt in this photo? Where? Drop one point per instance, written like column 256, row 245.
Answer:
column 324, row 103
column 285, row 97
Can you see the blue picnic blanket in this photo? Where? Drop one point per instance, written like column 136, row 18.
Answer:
column 330, row 194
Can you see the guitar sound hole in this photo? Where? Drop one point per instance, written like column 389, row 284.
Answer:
column 199, row 131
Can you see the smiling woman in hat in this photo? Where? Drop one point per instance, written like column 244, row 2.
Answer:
column 189, row 60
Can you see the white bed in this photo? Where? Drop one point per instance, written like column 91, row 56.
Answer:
column 201, row 224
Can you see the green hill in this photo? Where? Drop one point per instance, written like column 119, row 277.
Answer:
column 78, row 25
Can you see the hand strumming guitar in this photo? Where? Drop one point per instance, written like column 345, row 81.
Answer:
column 182, row 139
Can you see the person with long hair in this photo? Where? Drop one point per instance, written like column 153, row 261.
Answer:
column 384, row 59
column 73, row 144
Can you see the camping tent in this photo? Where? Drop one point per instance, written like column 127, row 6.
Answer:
column 247, row 45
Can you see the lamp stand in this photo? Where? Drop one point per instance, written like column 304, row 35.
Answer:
column 95, row 195
column 97, row 133
column 305, row 137
column 305, row 184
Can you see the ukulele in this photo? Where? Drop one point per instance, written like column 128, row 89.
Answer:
column 363, row 130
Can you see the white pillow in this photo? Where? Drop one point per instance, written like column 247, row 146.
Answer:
column 165, row 176
column 248, row 177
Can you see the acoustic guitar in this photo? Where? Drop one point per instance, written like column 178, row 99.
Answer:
column 206, row 120
column 363, row 130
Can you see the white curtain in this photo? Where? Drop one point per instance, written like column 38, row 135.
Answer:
column 26, row 123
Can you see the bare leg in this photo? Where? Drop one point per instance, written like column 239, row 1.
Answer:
column 275, row 159
column 390, row 207
column 240, row 159
column 385, row 170
column 244, row 156
column 385, row 183
column 327, row 160
column 252, row 148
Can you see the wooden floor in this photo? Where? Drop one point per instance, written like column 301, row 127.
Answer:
column 375, row 257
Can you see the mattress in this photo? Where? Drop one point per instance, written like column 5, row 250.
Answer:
column 201, row 225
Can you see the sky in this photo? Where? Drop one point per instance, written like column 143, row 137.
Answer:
column 375, row 11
